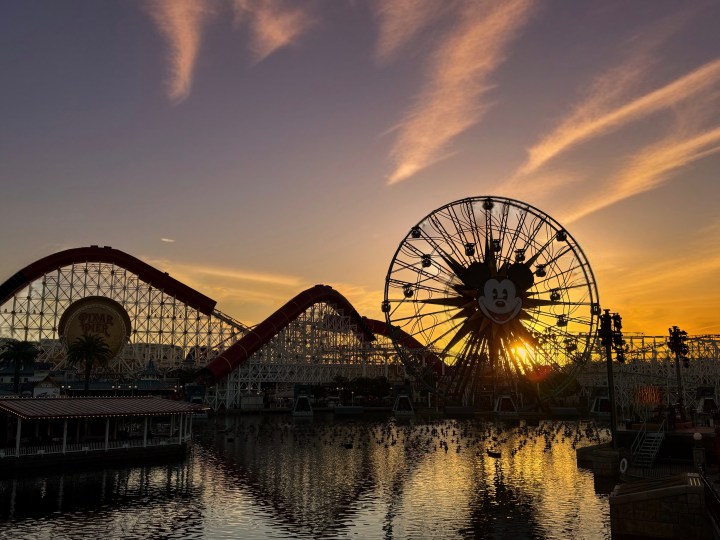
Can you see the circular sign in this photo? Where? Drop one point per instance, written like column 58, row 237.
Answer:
column 99, row 316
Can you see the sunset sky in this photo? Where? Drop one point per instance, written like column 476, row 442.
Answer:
column 255, row 148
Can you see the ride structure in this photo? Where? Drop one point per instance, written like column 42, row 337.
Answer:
column 647, row 381
column 484, row 297
column 496, row 294
column 173, row 325
column 315, row 338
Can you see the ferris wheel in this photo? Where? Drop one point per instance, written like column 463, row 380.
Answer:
column 487, row 292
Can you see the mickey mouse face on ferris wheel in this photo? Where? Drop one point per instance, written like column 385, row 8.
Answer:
column 499, row 301
column 500, row 296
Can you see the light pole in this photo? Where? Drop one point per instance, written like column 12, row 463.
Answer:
column 678, row 345
column 611, row 338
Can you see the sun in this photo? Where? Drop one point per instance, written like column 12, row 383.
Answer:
column 521, row 352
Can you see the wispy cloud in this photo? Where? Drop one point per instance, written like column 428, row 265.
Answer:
column 661, row 292
column 181, row 22
column 238, row 275
column 258, row 294
column 273, row 24
column 458, row 79
column 401, row 21
column 168, row 240
column 590, row 119
column 651, row 167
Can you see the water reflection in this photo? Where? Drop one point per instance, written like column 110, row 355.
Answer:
column 270, row 477
column 102, row 501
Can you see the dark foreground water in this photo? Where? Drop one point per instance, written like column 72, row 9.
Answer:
column 272, row 477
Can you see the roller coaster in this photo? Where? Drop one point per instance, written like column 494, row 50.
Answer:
column 314, row 338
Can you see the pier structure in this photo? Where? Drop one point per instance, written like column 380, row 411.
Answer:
column 51, row 431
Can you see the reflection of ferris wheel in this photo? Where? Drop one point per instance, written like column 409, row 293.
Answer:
column 491, row 292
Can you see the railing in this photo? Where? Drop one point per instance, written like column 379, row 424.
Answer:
column 712, row 501
column 95, row 446
column 641, row 436
column 639, row 439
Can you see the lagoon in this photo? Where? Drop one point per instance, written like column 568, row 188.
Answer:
column 270, row 476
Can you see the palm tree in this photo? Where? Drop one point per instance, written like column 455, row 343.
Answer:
column 89, row 350
column 20, row 354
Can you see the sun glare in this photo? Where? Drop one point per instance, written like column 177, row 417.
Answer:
column 521, row 352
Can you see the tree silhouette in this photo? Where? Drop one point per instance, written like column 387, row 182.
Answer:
column 89, row 350
column 19, row 354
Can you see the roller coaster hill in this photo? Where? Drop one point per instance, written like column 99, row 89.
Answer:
column 315, row 339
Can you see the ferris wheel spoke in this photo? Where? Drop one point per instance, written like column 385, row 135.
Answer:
column 514, row 363
column 420, row 255
column 561, row 289
column 464, row 313
column 540, row 251
column 402, row 284
column 556, row 256
column 540, row 321
column 465, row 228
column 525, row 335
column 516, row 234
column 479, row 242
column 406, row 267
column 453, row 327
column 539, row 223
column 424, row 314
column 534, row 303
column 502, row 226
column 434, row 326
column 455, row 266
column 450, row 301
column 564, row 275
column 457, row 223
column 467, row 361
column 466, row 328
column 447, row 236
column 490, row 256
column 428, row 288
column 538, row 302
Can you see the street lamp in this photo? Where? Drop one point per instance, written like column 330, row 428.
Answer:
column 678, row 345
column 612, row 339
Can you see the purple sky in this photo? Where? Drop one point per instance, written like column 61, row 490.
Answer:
column 255, row 148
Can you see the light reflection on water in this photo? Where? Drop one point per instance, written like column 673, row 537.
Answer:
column 270, row 477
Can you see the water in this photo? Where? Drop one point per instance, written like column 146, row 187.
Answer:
column 272, row 477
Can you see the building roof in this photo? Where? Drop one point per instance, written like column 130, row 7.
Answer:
column 94, row 407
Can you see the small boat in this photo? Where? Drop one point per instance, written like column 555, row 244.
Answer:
column 493, row 453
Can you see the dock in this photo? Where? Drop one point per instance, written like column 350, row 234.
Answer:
column 56, row 431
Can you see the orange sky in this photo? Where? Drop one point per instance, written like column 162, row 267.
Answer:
column 254, row 149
